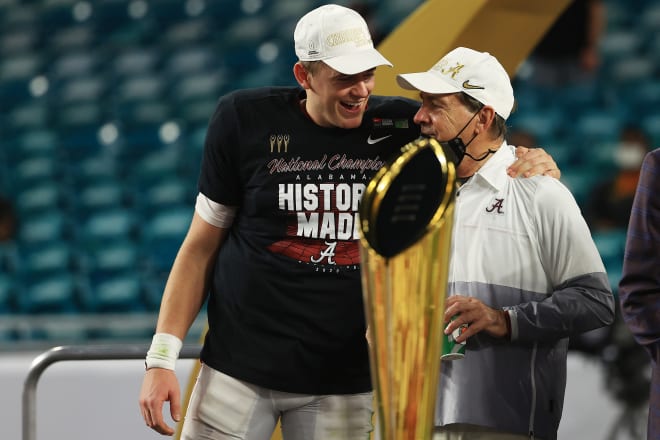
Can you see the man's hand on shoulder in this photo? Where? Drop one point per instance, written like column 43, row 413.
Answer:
column 533, row 162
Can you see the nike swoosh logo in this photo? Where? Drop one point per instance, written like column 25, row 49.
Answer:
column 467, row 85
column 371, row 141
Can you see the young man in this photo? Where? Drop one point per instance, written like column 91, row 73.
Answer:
column 274, row 242
column 524, row 273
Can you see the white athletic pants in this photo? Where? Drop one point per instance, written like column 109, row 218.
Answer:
column 223, row 408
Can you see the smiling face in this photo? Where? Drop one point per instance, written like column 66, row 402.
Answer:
column 335, row 99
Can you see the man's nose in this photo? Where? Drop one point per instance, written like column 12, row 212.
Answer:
column 421, row 116
column 361, row 88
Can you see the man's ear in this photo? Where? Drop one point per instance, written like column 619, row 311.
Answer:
column 301, row 75
column 486, row 117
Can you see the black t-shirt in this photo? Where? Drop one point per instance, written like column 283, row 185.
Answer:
column 285, row 310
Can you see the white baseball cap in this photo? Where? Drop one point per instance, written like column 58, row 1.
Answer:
column 339, row 37
column 478, row 74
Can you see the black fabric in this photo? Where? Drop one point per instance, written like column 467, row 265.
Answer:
column 285, row 310
column 568, row 36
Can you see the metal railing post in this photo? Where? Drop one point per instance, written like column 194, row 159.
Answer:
column 79, row 353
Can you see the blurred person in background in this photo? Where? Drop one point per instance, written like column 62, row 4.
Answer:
column 568, row 52
column 639, row 287
column 610, row 201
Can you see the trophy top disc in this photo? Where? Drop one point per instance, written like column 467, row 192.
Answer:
column 406, row 197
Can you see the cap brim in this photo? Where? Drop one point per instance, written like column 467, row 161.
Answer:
column 357, row 62
column 425, row 82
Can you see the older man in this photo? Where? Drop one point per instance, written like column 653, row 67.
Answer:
column 524, row 274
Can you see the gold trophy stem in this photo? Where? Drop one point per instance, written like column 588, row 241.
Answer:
column 404, row 303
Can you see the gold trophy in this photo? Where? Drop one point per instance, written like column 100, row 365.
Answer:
column 406, row 219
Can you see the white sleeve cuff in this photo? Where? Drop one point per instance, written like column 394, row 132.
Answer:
column 214, row 213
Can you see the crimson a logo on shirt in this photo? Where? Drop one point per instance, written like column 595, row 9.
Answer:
column 496, row 206
column 315, row 252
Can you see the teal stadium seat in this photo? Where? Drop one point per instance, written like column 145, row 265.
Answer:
column 611, row 245
column 24, row 65
column 150, row 111
column 168, row 192
column 79, row 36
column 9, row 259
column 86, row 88
column 99, row 197
column 191, row 59
column 81, row 142
column 199, row 86
column 34, row 171
column 17, row 39
column 135, row 61
column 192, row 31
column 38, row 199
column 36, row 142
column 580, row 182
column 595, row 126
column 72, row 65
column 650, row 19
column 75, row 118
column 162, row 234
column 120, row 293
column 114, row 258
column 48, row 227
column 55, row 294
column 112, row 224
column 27, row 115
column 47, row 260
column 107, row 270
column 631, row 70
column 651, row 125
column 545, row 125
column 7, row 294
column 140, row 141
column 144, row 86
column 619, row 43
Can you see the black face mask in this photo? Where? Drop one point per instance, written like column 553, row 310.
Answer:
column 457, row 146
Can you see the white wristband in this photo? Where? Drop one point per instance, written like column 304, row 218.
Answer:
column 164, row 351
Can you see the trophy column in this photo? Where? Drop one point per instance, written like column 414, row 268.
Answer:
column 406, row 218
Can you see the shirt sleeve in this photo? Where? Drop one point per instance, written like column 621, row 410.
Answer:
column 216, row 214
column 581, row 299
column 219, row 177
